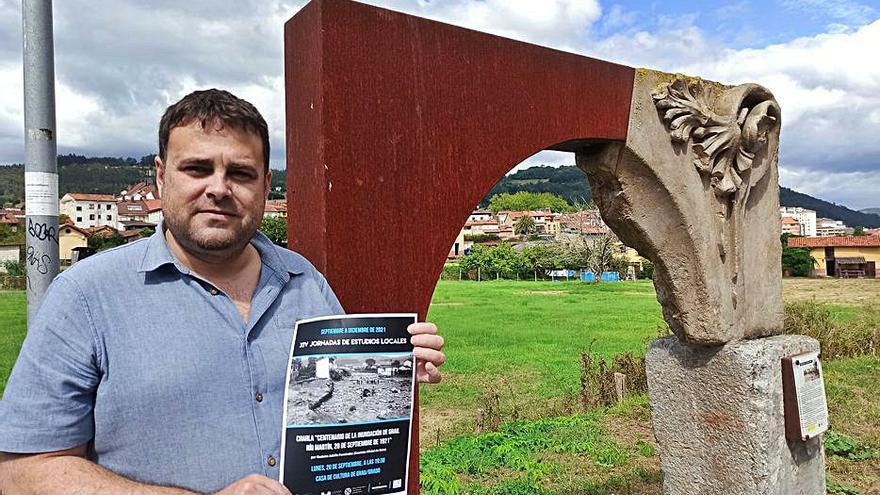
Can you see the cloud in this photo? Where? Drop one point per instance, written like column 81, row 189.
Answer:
column 856, row 190
column 555, row 23
column 119, row 63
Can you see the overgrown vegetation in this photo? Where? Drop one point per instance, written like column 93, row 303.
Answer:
column 537, row 457
column 856, row 335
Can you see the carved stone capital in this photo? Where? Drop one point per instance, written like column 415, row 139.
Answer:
column 695, row 190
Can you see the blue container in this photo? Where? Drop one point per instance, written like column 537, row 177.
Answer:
column 588, row 277
column 610, row 277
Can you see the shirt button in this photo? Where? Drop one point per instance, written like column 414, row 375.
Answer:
column 271, row 461
column 259, row 397
column 214, row 291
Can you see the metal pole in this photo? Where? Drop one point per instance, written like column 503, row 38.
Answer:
column 41, row 165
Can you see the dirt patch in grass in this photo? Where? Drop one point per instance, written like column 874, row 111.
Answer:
column 439, row 424
column 543, row 292
column 848, row 292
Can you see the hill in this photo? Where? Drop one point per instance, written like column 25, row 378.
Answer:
column 567, row 182
column 570, row 183
column 852, row 218
column 95, row 175
column 872, row 211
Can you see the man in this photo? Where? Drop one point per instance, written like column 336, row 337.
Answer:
column 158, row 367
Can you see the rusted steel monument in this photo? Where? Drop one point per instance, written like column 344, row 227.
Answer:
column 397, row 126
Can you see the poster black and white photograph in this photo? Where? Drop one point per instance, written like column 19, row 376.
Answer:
column 339, row 389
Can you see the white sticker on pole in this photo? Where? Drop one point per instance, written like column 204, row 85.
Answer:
column 41, row 193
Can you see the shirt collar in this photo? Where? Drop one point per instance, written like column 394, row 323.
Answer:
column 158, row 254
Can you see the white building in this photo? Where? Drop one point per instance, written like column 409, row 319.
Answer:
column 827, row 227
column 90, row 210
column 480, row 216
column 804, row 217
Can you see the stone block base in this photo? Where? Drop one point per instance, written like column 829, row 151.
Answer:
column 719, row 421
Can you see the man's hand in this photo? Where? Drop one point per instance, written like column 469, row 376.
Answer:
column 255, row 485
column 427, row 345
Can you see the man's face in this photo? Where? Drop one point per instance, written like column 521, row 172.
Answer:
column 213, row 187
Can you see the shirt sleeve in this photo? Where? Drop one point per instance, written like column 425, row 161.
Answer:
column 330, row 296
column 49, row 400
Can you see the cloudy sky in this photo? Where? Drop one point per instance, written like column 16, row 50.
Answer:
column 119, row 63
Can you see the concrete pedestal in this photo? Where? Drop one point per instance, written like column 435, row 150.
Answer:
column 719, row 421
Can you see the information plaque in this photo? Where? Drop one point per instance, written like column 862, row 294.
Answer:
column 806, row 409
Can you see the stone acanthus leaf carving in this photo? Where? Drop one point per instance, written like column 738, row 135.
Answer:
column 723, row 146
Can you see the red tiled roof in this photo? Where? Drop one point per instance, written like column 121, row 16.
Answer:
column 73, row 227
column 276, row 206
column 789, row 221
column 101, row 231
column 91, row 197
column 153, row 204
column 143, row 189
column 841, row 241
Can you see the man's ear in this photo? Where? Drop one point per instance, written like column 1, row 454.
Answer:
column 268, row 183
column 160, row 175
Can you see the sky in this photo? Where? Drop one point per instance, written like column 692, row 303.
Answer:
column 120, row 63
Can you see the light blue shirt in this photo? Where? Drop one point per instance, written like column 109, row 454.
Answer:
column 155, row 369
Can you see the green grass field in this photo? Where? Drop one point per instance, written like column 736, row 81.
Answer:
column 519, row 343
column 529, row 335
column 13, row 325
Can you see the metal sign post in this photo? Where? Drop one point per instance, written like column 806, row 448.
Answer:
column 41, row 163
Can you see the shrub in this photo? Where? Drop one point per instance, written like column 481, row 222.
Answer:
column 14, row 268
column 856, row 337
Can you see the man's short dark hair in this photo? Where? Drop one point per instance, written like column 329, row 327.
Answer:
column 214, row 106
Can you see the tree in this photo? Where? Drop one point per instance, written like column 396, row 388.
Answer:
column 543, row 257
column 601, row 257
column 275, row 229
column 99, row 243
column 524, row 225
column 63, row 219
column 796, row 262
column 859, row 232
column 528, row 201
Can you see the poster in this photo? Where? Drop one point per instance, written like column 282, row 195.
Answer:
column 348, row 406
column 810, row 389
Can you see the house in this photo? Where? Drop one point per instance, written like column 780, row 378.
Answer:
column 804, row 217
column 826, row 227
column 583, row 223
column 90, row 210
column 546, row 222
column 789, row 225
column 71, row 237
column 12, row 218
column 144, row 211
column 480, row 216
column 842, row 256
column 139, row 191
